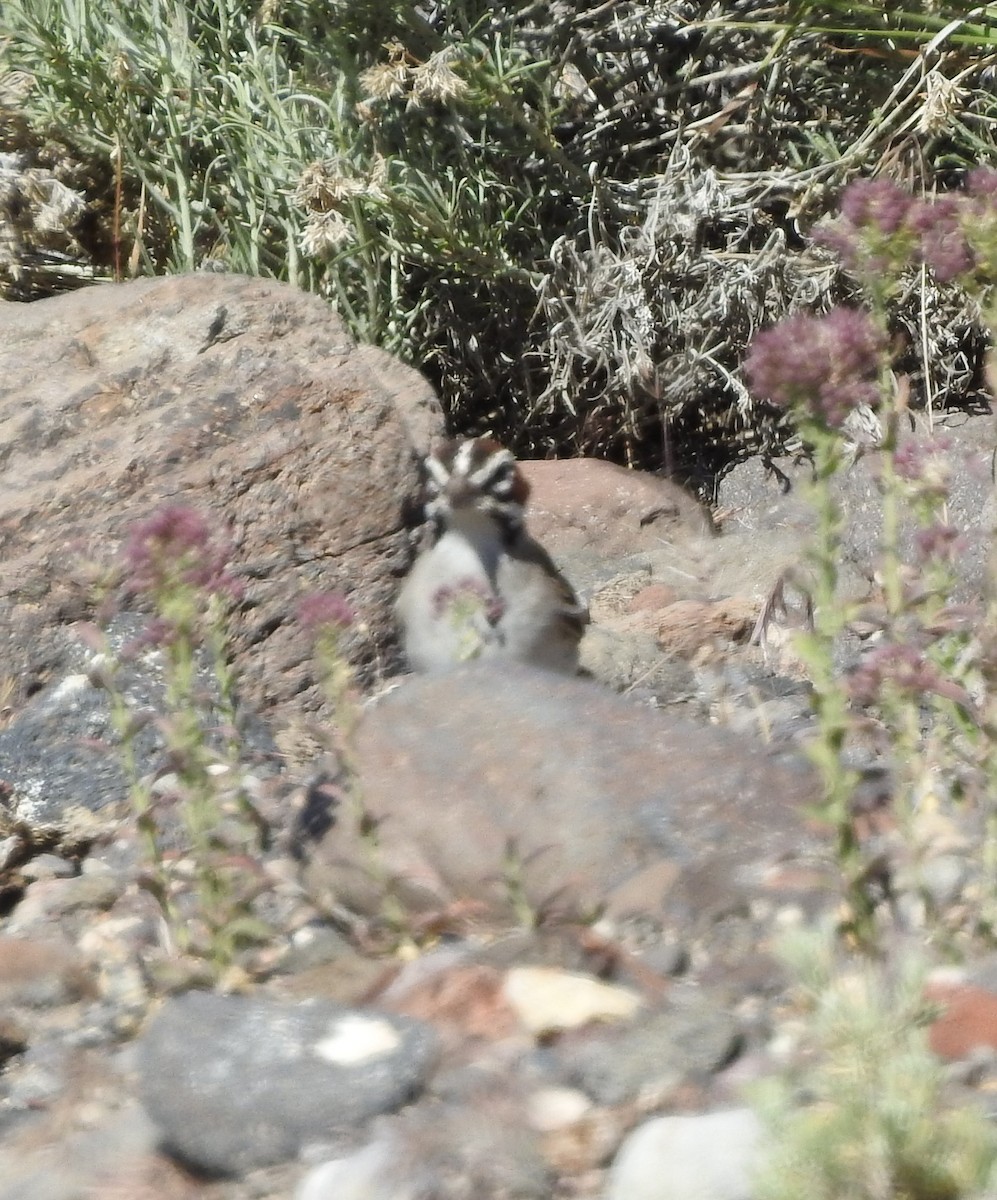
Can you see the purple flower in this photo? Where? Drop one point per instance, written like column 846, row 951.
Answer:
column 943, row 245
column 871, row 235
column 174, row 547
column 917, row 457
column 320, row 610
column 981, row 183
column 877, row 204
column 903, row 669
column 924, row 464
column 466, row 596
column 827, row 365
column 941, row 542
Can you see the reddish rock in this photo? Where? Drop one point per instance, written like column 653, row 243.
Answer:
column 242, row 397
column 968, row 1019
column 461, row 1002
column 40, row 971
column 588, row 504
column 653, row 597
column 688, row 625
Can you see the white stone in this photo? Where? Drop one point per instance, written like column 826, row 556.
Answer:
column 547, row 999
column 67, row 689
column 553, row 1108
column 362, row 1176
column 712, row 1156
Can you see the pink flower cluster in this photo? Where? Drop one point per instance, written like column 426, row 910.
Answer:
column 882, row 227
column 467, row 595
column 939, row 543
column 904, row 669
column 324, row 610
column 174, row 546
column 826, row 365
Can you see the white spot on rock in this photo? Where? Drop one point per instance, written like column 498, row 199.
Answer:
column 69, row 687
column 355, row 1038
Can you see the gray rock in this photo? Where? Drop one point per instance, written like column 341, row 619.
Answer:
column 48, row 866
column 67, row 1159
column 942, row 878
column 507, row 786
column 61, row 751
column 234, row 1083
column 38, row 1077
column 652, row 1055
column 54, row 754
column 597, row 516
column 711, row 1156
column 40, row 972
column 767, row 511
column 476, row 1148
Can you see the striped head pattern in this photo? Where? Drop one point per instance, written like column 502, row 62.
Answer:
column 477, row 473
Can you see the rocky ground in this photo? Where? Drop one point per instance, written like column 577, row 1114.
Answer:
column 590, row 875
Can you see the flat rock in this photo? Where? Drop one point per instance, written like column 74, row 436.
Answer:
column 233, row 1082
column 548, row 1000
column 241, row 397
column 508, row 787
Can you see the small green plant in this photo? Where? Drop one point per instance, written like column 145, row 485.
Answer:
column 926, row 681
column 863, row 1115
column 327, row 616
column 823, row 369
column 202, row 835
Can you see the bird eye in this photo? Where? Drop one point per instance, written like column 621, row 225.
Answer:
column 502, row 479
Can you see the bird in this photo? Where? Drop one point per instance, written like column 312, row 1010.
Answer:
column 484, row 588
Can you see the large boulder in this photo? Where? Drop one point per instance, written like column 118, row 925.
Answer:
column 241, row 397
column 508, row 788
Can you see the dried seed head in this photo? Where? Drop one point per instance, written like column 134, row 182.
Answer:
column 326, row 184
column 325, row 234
column 385, row 81
column 944, row 99
column 121, row 68
column 435, row 81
